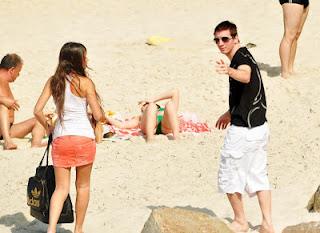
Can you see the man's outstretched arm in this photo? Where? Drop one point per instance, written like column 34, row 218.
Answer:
column 241, row 74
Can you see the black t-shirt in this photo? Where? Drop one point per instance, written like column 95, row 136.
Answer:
column 247, row 101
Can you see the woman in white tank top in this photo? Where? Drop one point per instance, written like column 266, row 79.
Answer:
column 73, row 136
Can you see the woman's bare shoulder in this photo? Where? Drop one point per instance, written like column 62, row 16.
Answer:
column 86, row 80
column 85, row 83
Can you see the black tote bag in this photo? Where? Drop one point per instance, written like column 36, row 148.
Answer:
column 39, row 192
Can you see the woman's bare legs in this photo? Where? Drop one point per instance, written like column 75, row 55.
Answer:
column 149, row 121
column 295, row 42
column 170, row 121
column 292, row 18
column 59, row 196
column 83, row 195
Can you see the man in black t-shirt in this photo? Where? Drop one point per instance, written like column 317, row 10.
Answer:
column 243, row 156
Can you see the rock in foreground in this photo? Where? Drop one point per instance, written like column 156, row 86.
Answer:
column 175, row 220
column 310, row 227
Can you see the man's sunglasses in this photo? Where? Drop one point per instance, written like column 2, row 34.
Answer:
column 224, row 39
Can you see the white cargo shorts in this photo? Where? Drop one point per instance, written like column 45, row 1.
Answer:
column 243, row 160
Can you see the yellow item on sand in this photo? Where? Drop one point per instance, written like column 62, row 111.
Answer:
column 154, row 40
column 110, row 113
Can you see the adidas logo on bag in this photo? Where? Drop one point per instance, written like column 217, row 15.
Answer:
column 33, row 202
column 35, row 193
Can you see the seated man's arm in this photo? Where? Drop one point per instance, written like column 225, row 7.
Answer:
column 9, row 102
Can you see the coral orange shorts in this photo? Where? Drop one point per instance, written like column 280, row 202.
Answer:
column 73, row 151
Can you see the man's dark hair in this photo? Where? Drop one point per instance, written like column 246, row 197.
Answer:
column 10, row 60
column 226, row 25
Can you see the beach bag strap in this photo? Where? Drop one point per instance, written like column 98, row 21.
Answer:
column 46, row 151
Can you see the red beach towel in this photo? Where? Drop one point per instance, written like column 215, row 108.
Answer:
column 188, row 123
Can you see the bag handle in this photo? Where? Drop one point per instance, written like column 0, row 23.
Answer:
column 47, row 151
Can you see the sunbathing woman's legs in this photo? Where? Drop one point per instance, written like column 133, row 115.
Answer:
column 170, row 121
column 149, row 121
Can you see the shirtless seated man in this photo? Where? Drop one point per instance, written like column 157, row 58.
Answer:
column 10, row 68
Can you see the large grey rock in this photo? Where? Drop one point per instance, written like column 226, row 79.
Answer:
column 310, row 227
column 314, row 203
column 176, row 220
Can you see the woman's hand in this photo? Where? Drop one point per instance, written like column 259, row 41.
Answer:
column 49, row 114
column 49, row 130
column 147, row 101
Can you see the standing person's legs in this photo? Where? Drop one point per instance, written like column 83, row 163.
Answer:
column 83, row 195
column 257, row 178
column 232, row 175
column 292, row 15
column 149, row 121
column 5, row 128
column 170, row 121
column 60, row 194
column 264, row 198
column 295, row 42
column 240, row 223
column 21, row 129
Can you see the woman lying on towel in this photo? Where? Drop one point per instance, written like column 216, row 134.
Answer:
column 155, row 120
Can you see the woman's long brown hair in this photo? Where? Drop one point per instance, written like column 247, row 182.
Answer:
column 71, row 60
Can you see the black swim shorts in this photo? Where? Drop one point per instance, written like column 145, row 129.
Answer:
column 305, row 3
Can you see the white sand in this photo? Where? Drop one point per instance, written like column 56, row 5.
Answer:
column 130, row 178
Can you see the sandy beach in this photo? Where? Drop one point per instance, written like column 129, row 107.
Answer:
column 131, row 178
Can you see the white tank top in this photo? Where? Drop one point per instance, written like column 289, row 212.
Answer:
column 75, row 119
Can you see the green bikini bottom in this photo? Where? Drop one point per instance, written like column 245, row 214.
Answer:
column 159, row 131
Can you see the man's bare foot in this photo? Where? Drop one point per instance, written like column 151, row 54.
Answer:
column 78, row 231
column 236, row 226
column 285, row 75
column 266, row 229
column 291, row 72
column 50, row 230
column 10, row 146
